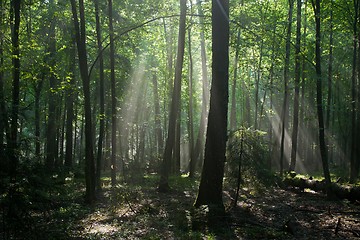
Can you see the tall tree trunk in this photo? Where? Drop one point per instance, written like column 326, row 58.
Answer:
column 175, row 103
column 70, row 103
column 99, row 156
column 284, row 115
column 190, row 110
column 294, row 137
column 51, row 140
column 3, row 111
column 323, row 150
column 13, row 143
column 210, row 189
column 330, row 70
column 233, row 89
column 199, row 145
column 353, row 157
column 113, row 97
column 83, row 65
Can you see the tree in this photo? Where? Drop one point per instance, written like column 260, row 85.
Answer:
column 52, row 126
column 210, row 189
column 294, row 138
column 102, row 96
column 319, row 101
column 113, row 96
column 354, row 165
column 13, row 144
column 175, row 103
column 284, row 113
column 83, row 65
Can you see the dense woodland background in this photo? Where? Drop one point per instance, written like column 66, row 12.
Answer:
column 111, row 91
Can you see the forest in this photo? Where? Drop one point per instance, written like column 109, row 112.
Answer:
column 188, row 119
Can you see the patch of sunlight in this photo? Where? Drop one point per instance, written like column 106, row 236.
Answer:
column 98, row 228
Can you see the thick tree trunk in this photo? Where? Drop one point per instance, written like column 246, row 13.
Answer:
column 210, row 189
column 294, row 137
column 89, row 151
column 175, row 103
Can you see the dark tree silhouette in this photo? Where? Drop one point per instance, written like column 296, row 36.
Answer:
column 83, row 65
column 210, row 189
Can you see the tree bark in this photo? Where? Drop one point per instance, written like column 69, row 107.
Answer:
column 99, row 156
column 83, row 65
column 353, row 157
column 210, row 189
column 175, row 103
column 13, row 143
column 294, row 137
column 323, row 150
column 113, row 98
column 70, row 103
column 284, row 115
column 52, row 126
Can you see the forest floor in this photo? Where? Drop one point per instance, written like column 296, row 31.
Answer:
column 137, row 210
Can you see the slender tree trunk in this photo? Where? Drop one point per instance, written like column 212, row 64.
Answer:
column 4, row 129
column 83, row 65
column 233, row 89
column 158, row 129
column 284, row 115
column 323, row 150
column 175, row 103
column 51, row 140
column 353, row 156
column 70, row 103
column 113, row 97
column 330, row 71
column 190, row 111
column 13, row 143
column 294, row 138
column 99, row 156
column 257, row 83
column 199, row 145
column 210, row 189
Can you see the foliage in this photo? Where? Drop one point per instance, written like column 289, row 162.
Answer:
column 249, row 148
